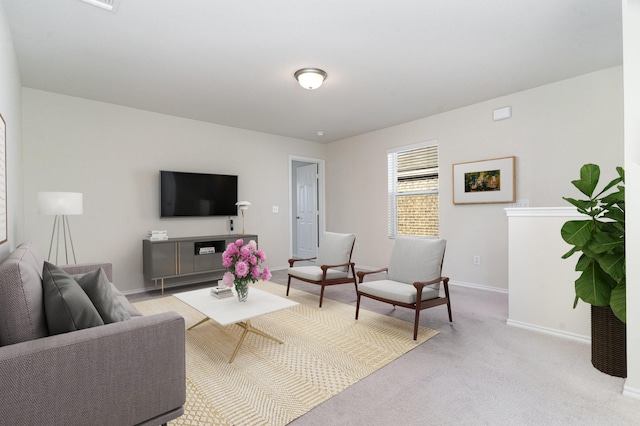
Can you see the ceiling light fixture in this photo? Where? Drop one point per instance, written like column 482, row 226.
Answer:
column 110, row 5
column 310, row 78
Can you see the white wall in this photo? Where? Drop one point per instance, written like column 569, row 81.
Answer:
column 631, row 37
column 554, row 130
column 10, row 108
column 112, row 154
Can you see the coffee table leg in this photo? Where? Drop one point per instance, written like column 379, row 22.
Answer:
column 195, row 325
column 248, row 328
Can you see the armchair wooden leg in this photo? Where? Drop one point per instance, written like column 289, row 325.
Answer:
column 449, row 309
column 288, row 284
column 415, row 325
column 357, row 306
column 321, row 296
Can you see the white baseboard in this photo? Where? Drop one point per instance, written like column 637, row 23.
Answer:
column 455, row 283
column 279, row 268
column 631, row 392
column 551, row 331
column 479, row 287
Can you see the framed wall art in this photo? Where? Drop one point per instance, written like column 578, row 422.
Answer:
column 485, row 181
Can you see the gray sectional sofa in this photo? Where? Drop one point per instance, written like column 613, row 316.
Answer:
column 129, row 372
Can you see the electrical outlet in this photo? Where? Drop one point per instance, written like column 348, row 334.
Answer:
column 476, row 260
column 275, row 209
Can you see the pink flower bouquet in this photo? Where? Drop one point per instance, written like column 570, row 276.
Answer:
column 243, row 265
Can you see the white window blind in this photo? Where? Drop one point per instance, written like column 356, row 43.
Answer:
column 413, row 182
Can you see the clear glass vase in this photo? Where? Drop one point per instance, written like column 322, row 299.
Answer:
column 243, row 292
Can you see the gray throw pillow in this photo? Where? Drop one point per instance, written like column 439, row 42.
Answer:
column 98, row 288
column 66, row 306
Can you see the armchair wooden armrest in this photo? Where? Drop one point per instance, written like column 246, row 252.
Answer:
column 362, row 274
column 325, row 267
column 292, row 261
column 420, row 285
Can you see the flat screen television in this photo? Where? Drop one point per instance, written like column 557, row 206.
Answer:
column 197, row 194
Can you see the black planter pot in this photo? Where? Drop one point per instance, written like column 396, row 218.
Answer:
column 608, row 342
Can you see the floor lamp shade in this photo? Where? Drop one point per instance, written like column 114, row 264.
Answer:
column 60, row 205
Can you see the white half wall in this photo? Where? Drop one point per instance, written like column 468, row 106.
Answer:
column 113, row 154
column 541, row 283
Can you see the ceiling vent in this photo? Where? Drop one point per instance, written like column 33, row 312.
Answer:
column 110, row 5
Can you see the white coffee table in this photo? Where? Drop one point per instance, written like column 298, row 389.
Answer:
column 231, row 311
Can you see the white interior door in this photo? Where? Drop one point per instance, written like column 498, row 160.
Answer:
column 307, row 210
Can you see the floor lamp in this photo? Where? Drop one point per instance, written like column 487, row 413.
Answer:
column 60, row 205
column 244, row 205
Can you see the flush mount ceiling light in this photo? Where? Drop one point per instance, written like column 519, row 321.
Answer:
column 110, row 5
column 310, row 78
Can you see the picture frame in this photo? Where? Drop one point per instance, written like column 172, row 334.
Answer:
column 485, row 181
column 4, row 227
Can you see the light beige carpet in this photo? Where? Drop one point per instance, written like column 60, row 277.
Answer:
column 324, row 352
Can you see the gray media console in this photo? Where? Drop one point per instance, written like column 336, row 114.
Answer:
column 190, row 256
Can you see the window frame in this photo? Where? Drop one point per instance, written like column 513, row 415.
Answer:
column 392, row 185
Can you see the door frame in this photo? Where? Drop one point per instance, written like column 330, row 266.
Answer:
column 321, row 197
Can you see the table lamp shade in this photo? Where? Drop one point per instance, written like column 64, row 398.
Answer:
column 244, row 205
column 60, row 203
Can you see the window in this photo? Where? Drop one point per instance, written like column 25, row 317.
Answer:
column 413, row 190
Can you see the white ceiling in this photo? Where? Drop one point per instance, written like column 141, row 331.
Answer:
column 232, row 62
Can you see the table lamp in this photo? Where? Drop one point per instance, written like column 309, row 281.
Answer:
column 244, row 205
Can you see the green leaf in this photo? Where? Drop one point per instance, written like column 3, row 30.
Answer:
column 589, row 177
column 584, row 262
column 594, row 285
column 615, row 213
column 610, row 185
column 577, row 232
column 604, row 242
column 614, row 265
column 570, row 252
column 584, row 206
column 614, row 197
column 619, row 301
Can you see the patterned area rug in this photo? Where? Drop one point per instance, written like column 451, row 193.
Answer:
column 324, row 352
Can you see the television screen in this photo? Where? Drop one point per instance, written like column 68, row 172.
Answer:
column 197, row 194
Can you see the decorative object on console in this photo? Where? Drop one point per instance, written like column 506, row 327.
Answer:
column 243, row 266
column 310, row 78
column 244, row 205
column 60, row 205
column 158, row 236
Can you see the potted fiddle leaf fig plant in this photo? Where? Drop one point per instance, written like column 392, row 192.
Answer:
column 600, row 240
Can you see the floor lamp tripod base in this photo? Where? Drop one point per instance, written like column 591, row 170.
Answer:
column 61, row 221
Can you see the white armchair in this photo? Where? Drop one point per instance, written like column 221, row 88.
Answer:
column 413, row 278
column 332, row 264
